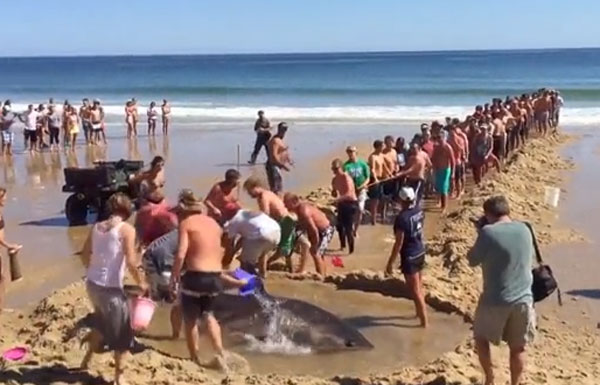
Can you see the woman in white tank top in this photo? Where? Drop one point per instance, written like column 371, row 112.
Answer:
column 110, row 248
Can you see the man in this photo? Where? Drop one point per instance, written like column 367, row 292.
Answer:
column 379, row 170
column 86, row 123
column 278, row 158
column 416, row 171
column 30, row 119
column 259, row 235
column 222, row 199
column 360, row 173
column 201, row 252
column 165, row 110
column 54, row 124
column 97, row 120
column 342, row 188
column 557, row 104
column 541, row 107
column 499, row 137
column 460, row 157
column 504, row 249
column 272, row 205
column 390, row 157
column 443, row 161
column 262, row 127
column 408, row 232
column 314, row 222
column 8, row 136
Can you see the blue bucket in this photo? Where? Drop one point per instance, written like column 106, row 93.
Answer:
column 252, row 281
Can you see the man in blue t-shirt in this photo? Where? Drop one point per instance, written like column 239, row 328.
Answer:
column 408, row 230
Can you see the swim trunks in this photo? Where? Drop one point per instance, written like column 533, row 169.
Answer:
column 418, row 186
column 30, row 135
column 390, row 188
column 198, row 291
column 412, row 265
column 362, row 199
column 8, row 137
column 375, row 191
column 325, row 237
column 274, row 177
column 459, row 171
column 499, row 146
column 288, row 235
column 442, row 180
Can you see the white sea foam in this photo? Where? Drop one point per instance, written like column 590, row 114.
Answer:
column 205, row 112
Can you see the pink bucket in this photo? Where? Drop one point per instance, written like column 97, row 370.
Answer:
column 142, row 310
column 15, row 354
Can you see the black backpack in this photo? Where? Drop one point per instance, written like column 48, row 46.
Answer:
column 544, row 282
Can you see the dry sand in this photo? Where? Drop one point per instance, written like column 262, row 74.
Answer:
column 562, row 354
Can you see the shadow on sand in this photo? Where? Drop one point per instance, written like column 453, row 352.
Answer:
column 588, row 293
column 45, row 375
column 48, row 222
column 361, row 322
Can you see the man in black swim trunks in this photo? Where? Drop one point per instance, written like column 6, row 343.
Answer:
column 408, row 230
column 279, row 158
column 262, row 127
column 201, row 252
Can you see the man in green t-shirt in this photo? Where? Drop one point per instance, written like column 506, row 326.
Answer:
column 359, row 170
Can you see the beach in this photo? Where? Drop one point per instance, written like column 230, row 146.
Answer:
column 564, row 353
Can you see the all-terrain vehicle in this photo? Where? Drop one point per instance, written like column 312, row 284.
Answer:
column 90, row 188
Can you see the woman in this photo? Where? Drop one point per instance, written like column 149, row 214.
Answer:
column 166, row 116
column 12, row 248
column 129, row 119
column 73, row 126
column 109, row 248
column 152, row 114
column 408, row 231
column 65, row 122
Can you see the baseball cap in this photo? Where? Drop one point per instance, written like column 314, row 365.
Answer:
column 351, row 149
column 407, row 194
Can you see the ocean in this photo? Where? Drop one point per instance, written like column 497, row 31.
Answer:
column 325, row 88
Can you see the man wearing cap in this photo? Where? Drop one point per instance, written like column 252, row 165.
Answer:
column 262, row 127
column 279, row 158
column 408, row 231
column 360, row 173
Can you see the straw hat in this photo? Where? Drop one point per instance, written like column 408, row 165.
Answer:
column 188, row 202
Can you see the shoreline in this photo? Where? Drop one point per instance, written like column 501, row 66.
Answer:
column 563, row 354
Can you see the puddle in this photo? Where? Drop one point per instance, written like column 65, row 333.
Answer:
column 387, row 325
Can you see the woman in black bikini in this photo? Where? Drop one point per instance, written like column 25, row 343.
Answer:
column 12, row 248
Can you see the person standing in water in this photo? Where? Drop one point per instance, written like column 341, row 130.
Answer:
column 73, row 126
column 408, row 231
column 343, row 190
column 262, row 128
column 6, row 121
column 12, row 248
column 129, row 119
column 86, row 123
column 136, row 115
column 201, row 253
column 152, row 114
column 97, row 119
column 279, row 158
column 30, row 119
column 109, row 248
column 166, row 116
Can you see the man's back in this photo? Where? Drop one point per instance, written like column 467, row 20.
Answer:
column 505, row 252
column 204, row 252
column 271, row 203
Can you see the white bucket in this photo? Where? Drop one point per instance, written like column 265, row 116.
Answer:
column 551, row 196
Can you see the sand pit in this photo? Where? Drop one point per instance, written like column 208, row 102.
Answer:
column 562, row 354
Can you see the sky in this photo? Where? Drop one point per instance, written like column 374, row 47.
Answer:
column 117, row 27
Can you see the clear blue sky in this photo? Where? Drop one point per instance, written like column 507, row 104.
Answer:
column 81, row 27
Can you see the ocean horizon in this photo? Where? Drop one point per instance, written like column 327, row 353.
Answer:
column 348, row 87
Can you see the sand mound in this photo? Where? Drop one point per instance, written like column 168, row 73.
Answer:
column 562, row 354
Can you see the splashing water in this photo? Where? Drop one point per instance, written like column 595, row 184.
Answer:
column 279, row 321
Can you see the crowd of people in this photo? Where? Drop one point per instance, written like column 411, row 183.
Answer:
column 45, row 125
column 188, row 248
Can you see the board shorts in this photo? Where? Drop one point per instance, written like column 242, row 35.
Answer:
column 198, row 292
column 96, row 127
column 515, row 324
column 499, row 146
column 274, row 177
column 418, row 185
column 542, row 117
column 412, row 265
column 325, row 237
column 442, row 180
column 459, row 171
column 288, row 235
column 30, row 135
column 8, row 137
column 390, row 188
column 375, row 191
column 362, row 199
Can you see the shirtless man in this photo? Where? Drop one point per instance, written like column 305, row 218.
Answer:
column 460, row 159
column 97, row 119
column 201, row 252
column 541, row 108
column 314, row 222
column 222, row 199
column 416, row 171
column 342, row 188
column 272, row 205
column 86, row 123
column 517, row 118
column 390, row 156
column 499, row 136
column 443, row 161
column 279, row 158
column 379, row 170
column 166, row 116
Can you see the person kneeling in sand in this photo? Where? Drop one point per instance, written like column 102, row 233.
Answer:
column 201, row 252
column 258, row 234
column 272, row 205
column 222, row 199
column 504, row 249
column 315, row 223
column 408, row 230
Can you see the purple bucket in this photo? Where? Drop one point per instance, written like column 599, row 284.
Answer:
column 252, row 281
